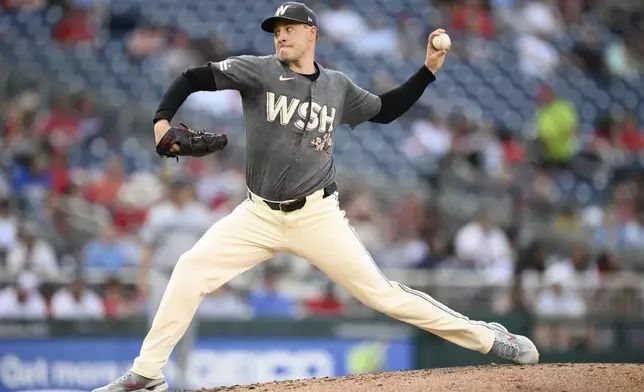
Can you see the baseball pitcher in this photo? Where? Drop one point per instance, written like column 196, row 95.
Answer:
column 292, row 108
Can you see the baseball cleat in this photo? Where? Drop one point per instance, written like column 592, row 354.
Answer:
column 514, row 348
column 132, row 382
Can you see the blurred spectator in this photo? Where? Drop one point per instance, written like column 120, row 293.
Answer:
column 430, row 138
column 587, row 55
column 23, row 301
column 539, row 18
column 513, row 149
column 91, row 124
column 411, row 41
column 117, row 301
column 532, row 259
column 441, row 250
column 631, row 135
column 268, row 301
column 77, row 302
column 559, row 300
column 409, row 251
column 328, row 304
column 612, row 234
column 607, row 262
column 61, row 126
column 556, row 124
column 537, row 57
column 379, row 38
column 31, row 253
column 225, row 302
column 212, row 188
column 634, row 228
column 66, row 238
column 622, row 60
column 32, row 184
column 491, row 157
column 535, row 23
column 60, row 174
column 472, row 17
column 406, row 218
column 584, row 266
column 145, row 41
column 382, row 81
column 106, row 253
column 485, row 247
column 211, row 48
column 341, row 22
column 405, row 247
column 19, row 126
column 75, row 27
column 140, row 191
column 605, row 141
column 8, row 226
column 179, row 55
column 181, row 218
column 568, row 221
column 366, row 219
column 105, row 189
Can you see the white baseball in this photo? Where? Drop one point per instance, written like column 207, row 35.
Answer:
column 442, row 41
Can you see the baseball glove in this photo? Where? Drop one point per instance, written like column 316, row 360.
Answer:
column 191, row 143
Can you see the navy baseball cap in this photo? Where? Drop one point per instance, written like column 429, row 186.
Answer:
column 295, row 12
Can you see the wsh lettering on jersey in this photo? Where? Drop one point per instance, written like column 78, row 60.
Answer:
column 322, row 116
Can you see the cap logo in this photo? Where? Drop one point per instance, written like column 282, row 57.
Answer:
column 281, row 10
column 310, row 20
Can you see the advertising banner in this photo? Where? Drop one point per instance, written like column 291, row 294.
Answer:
column 84, row 363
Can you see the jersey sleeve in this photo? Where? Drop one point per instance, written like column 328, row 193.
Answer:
column 241, row 73
column 359, row 104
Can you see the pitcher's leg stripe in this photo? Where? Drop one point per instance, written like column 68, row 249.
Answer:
column 436, row 303
column 369, row 254
column 442, row 307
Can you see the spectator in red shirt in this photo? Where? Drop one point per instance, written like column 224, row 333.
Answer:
column 61, row 126
column 75, row 27
column 326, row 305
column 473, row 17
column 61, row 177
column 116, row 300
column 630, row 137
column 513, row 150
column 105, row 190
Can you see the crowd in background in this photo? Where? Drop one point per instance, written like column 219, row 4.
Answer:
column 45, row 180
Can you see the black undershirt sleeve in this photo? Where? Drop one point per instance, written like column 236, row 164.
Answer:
column 396, row 102
column 188, row 82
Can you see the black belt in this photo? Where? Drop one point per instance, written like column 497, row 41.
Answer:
column 296, row 204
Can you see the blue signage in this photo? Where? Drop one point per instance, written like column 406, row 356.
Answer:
column 58, row 365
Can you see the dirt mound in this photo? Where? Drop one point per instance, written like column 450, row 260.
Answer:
column 505, row 378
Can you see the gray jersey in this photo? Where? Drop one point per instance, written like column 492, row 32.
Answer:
column 289, row 148
column 171, row 231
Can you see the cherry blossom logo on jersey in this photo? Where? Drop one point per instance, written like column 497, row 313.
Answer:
column 323, row 143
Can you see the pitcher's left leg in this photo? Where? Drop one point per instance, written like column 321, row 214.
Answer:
column 325, row 238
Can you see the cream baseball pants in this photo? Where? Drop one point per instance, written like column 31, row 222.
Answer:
column 318, row 232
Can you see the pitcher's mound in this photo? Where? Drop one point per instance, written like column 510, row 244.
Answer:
column 505, row 378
